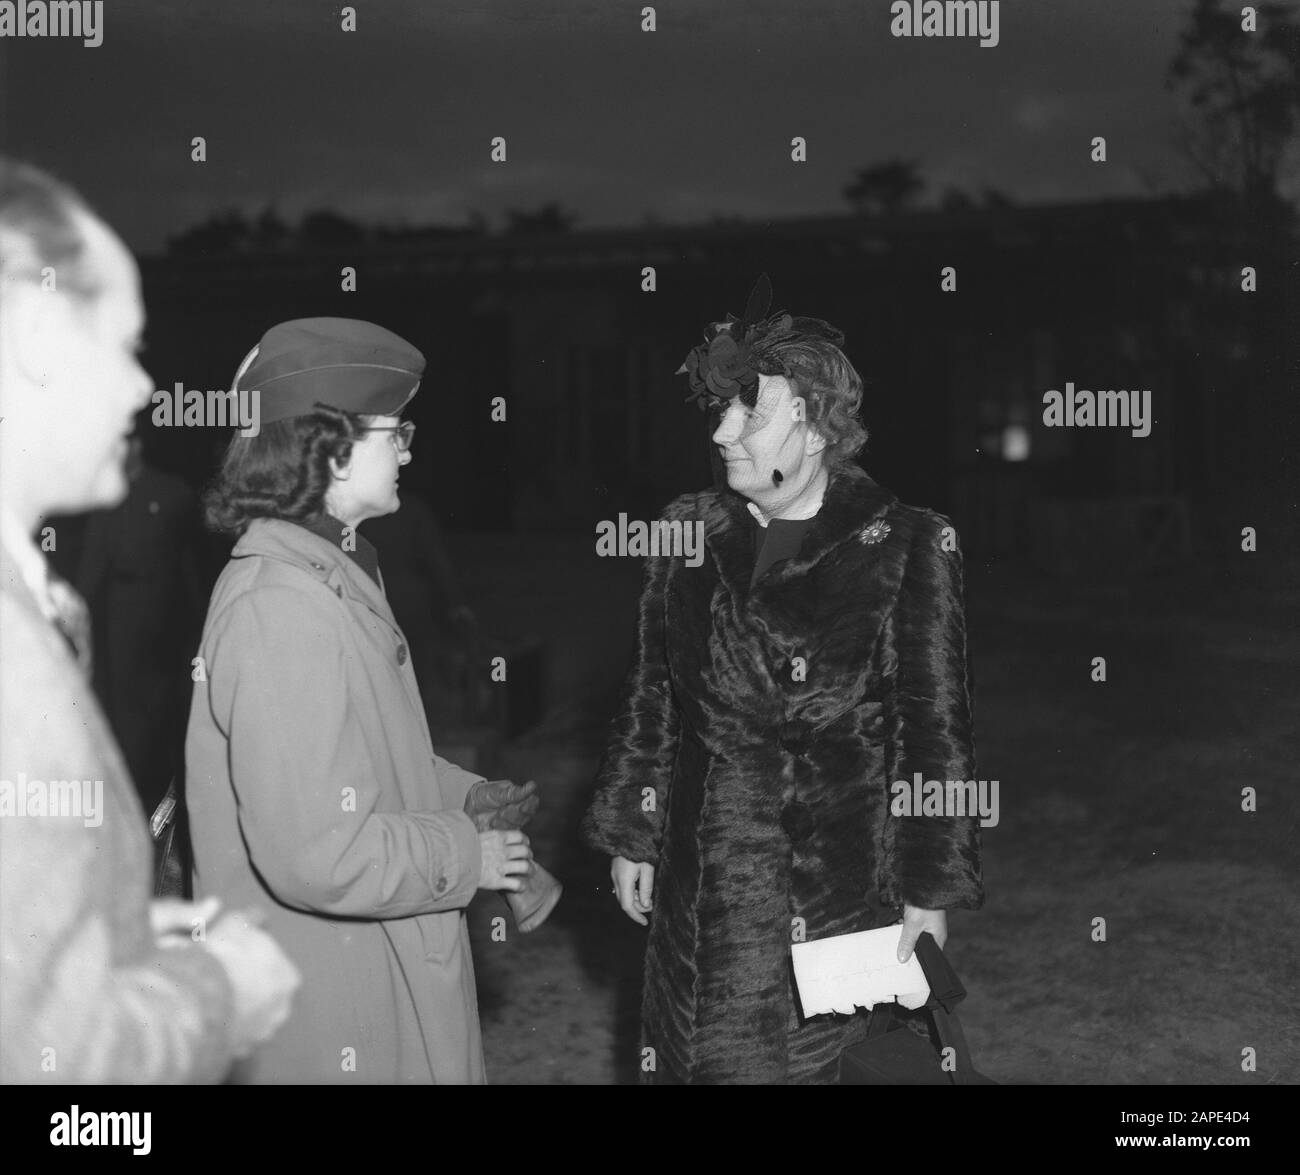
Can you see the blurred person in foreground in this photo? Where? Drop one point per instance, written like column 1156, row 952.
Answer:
column 817, row 654
column 313, row 787
column 97, row 983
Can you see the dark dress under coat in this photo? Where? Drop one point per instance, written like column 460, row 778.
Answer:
column 771, row 781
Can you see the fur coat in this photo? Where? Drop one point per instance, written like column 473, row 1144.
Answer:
column 769, row 724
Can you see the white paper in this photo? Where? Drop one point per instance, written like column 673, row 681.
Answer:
column 857, row 970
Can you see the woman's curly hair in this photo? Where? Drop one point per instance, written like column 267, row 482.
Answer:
column 831, row 389
column 282, row 472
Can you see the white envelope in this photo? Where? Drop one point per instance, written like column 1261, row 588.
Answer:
column 857, row 970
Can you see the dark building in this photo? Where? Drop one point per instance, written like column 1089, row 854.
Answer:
column 1125, row 294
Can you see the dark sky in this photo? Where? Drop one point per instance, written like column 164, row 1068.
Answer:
column 393, row 122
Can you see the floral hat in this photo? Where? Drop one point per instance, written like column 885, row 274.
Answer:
column 736, row 352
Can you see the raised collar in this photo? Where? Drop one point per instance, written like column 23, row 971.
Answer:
column 853, row 500
column 363, row 552
column 273, row 538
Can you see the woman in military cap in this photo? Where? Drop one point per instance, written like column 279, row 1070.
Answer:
column 314, row 791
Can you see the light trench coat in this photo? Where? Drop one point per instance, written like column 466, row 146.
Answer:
column 87, row 995
column 315, row 796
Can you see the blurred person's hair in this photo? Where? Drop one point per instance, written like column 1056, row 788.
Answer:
column 831, row 389
column 283, row 472
column 39, row 228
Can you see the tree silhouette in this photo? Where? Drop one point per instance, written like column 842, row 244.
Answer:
column 420, row 233
column 223, row 232
column 326, row 228
column 269, row 231
column 547, row 218
column 235, row 231
column 957, row 199
column 1244, row 88
column 889, row 186
column 995, row 198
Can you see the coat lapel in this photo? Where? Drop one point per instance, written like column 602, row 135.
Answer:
column 295, row 544
column 853, row 501
column 728, row 534
column 792, row 599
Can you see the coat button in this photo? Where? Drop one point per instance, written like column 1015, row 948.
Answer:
column 401, row 654
column 794, row 736
column 441, row 887
column 796, row 819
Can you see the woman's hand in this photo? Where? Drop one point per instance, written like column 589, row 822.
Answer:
column 506, row 860
column 916, row 920
column 634, row 883
column 263, row 979
column 174, row 921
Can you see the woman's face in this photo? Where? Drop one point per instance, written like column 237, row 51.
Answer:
column 366, row 486
column 755, row 442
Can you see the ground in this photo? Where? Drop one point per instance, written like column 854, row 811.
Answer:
column 1120, row 801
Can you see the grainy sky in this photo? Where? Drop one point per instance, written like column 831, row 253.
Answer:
column 393, row 122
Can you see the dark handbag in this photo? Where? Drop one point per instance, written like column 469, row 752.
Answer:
column 892, row 1055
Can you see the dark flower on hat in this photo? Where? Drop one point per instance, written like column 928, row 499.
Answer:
column 723, row 367
column 736, row 352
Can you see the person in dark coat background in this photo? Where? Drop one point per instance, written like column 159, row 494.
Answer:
column 140, row 573
column 426, row 599
column 817, row 654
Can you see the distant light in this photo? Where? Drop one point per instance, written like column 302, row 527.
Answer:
column 1015, row 443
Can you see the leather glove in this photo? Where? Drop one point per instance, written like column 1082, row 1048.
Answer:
column 500, row 804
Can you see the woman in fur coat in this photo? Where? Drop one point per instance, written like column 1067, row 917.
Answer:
column 817, row 654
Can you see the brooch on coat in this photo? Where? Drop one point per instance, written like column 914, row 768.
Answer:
column 875, row 533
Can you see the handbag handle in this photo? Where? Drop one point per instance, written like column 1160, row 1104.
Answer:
column 951, row 1035
column 946, row 992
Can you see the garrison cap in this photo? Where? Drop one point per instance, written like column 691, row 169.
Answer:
column 348, row 364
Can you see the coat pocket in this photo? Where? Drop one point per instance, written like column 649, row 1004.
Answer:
column 431, row 937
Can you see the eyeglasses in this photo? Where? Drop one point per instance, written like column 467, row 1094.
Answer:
column 403, row 433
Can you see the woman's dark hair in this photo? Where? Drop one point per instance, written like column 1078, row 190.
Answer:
column 282, row 472
column 830, row 386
